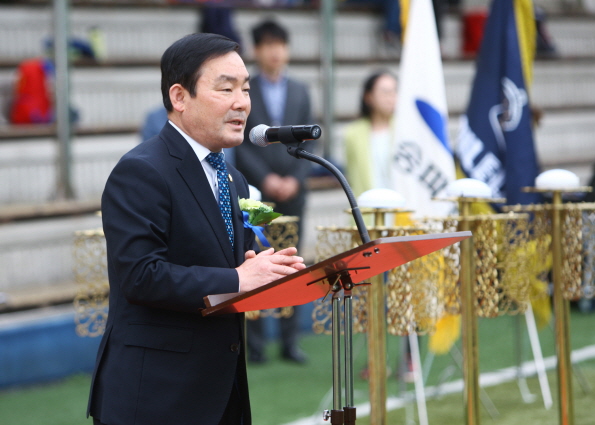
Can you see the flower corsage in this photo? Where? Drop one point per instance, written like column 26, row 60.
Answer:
column 256, row 214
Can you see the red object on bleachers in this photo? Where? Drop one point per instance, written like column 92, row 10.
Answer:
column 32, row 103
column 473, row 25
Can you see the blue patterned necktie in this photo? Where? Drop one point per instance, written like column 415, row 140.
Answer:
column 217, row 161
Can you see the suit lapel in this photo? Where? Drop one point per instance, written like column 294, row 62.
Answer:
column 289, row 111
column 258, row 102
column 290, row 114
column 193, row 174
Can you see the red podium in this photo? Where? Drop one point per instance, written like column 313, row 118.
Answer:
column 339, row 273
column 304, row 286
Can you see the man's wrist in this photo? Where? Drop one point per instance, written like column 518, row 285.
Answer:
column 239, row 283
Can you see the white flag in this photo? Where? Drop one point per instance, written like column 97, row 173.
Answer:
column 423, row 161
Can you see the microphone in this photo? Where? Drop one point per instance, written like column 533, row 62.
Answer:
column 262, row 135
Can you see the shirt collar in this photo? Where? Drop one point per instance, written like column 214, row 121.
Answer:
column 200, row 151
column 281, row 81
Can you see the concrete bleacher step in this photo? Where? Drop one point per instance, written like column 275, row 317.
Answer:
column 39, row 253
column 108, row 97
column 28, row 167
column 563, row 139
column 119, row 97
column 37, row 295
column 111, row 97
column 568, row 84
column 144, row 32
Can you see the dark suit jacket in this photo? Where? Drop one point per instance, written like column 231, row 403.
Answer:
column 256, row 162
column 160, row 362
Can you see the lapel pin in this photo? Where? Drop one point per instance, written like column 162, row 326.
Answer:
column 230, row 178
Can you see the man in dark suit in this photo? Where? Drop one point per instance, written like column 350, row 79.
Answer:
column 281, row 178
column 174, row 234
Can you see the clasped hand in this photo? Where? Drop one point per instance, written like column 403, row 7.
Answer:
column 267, row 266
column 280, row 188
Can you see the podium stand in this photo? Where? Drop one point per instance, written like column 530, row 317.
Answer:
column 339, row 273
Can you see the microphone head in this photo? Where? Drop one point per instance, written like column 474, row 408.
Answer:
column 258, row 135
column 315, row 131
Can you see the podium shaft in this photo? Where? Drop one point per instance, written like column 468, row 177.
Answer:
column 561, row 312
column 336, row 336
column 348, row 339
column 469, row 323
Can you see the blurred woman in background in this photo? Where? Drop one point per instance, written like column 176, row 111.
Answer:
column 369, row 139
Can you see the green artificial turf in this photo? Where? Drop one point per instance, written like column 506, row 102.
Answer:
column 282, row 392
column 511, row 408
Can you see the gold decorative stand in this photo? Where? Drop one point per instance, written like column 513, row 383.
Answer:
column 563, row 223
column 494, row 279
column 90, row 271
column 281, row 233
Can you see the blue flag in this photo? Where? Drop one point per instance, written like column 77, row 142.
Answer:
column 496, row 139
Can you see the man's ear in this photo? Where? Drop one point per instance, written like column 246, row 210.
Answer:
column 177, row 97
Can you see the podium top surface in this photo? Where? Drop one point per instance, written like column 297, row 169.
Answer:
column 304, row 286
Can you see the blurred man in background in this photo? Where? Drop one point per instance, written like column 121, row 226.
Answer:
column 276, row 100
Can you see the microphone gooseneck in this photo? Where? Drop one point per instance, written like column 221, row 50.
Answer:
column 263, row 135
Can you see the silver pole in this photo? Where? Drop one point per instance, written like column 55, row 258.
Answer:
column 327, row 53
column 336, row 337
column 62, row 99
column 348, row 350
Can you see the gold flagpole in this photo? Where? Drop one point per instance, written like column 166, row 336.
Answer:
column 377, row 338
column 561, row 312
column 469, row 320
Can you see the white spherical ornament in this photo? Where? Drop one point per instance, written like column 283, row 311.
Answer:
column 381, row 198
column 468, row 188
column 557, row 179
